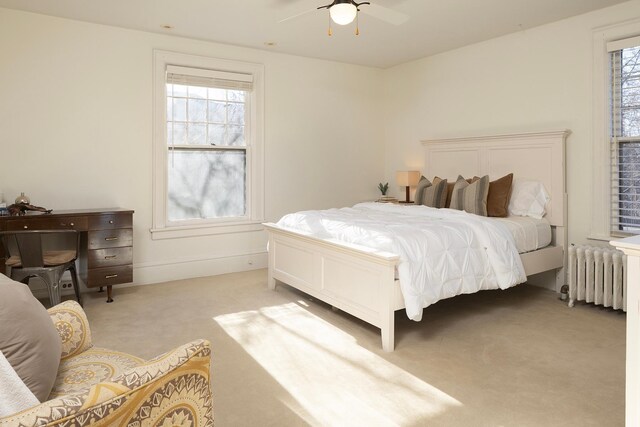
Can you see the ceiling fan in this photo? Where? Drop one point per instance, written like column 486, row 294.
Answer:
column 344, row 12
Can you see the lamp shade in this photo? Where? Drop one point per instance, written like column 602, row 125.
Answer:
column 343, row 13
column 407, row 178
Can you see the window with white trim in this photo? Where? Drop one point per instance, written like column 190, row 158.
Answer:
column 208, row 157
column 624, row 130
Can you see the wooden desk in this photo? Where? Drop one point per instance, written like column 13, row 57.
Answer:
column 106, row 241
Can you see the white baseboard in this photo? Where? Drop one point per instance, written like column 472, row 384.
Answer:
column 546, row 279
column 178, row 269
column 186, row 268
column 39, row 290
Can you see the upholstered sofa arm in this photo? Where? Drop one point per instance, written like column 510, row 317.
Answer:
column 73, row 327
column 172, row 389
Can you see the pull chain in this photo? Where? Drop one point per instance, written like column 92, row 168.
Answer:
column 357, row 22
column 330, row 32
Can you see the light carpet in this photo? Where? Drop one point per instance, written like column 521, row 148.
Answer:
column 518, row 357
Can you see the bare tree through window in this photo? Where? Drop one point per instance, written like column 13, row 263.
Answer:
column 626, row 136
column 207, row 159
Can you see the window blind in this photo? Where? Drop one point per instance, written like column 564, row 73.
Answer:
column 209, row 78
column 625, row 135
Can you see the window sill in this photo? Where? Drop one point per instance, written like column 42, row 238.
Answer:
column 608, row 238
column 204, row 230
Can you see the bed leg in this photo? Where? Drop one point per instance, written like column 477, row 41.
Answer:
column 560, row 279
column 387, row 313
column 271, row 282
column 388, row 339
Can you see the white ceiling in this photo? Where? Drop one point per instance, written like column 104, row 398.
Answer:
column 433, row 26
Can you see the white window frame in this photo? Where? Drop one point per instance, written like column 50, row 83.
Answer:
column 162, row 228
column 601, row 178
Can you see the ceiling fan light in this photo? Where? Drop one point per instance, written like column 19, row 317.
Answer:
column 343, row 13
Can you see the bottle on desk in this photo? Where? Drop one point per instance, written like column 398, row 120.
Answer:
column 3, row 205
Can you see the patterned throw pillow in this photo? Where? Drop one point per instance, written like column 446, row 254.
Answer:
column 458, row 186
column 435, row 195
column 450, row 186
column 422, row 184
column 472, row 197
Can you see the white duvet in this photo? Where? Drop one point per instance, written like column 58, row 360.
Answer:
column 443, row 252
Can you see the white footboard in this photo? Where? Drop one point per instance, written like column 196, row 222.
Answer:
column 355, row 279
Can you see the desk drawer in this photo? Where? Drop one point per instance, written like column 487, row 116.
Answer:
column 110, row 238
column 109, row 276
column 110, row 221
column 59, row 223
column 109, row 257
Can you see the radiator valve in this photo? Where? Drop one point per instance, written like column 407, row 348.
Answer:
column 564, row 292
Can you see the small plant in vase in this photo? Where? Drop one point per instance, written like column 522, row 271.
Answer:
column 383, row 189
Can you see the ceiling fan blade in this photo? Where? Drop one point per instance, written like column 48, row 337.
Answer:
column 296, row 15
column 385, row 14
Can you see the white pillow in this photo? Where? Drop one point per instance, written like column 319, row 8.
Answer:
column 528, row 198
column 14, row 395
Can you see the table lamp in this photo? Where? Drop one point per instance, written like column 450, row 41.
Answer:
column 407, row 179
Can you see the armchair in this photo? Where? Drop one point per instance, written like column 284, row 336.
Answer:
column 95, row 386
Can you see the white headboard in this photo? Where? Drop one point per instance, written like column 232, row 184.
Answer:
column 538, row 156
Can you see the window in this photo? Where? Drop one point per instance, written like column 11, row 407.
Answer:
column 207, row 146
column 624, row 57
column 613, row 209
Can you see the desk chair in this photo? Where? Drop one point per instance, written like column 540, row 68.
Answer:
column 28, row 256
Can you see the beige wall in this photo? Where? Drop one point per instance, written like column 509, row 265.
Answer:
column 76, row 115
column 76, row 126
column 538, row 79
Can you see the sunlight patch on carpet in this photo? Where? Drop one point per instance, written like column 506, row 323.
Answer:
column 333, row 379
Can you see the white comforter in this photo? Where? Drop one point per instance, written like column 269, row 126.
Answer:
column 443, row 252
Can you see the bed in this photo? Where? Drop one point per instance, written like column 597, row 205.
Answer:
column 361, row 280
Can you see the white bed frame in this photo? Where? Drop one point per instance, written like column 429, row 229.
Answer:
column 361, row 281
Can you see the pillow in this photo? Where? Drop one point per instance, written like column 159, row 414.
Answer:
column 14, row 395
column 422, row 184
column 435, row 195
column 471, row 198
column 450, row 186
column 28, row 338
column 528, row 198
column 455, row 200
column 499, row 195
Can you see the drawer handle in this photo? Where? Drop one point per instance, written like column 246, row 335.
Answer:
column 111, row 257
column 110, row 221
column 110, row 239
column 64, row 225
column 110, row 276
column 26, row 227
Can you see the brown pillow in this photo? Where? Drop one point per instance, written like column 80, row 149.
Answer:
column 499, row 196
column 28, row 338
column 435, row 195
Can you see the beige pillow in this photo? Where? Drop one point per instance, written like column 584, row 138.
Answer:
column 450, row 186
column 456, row 195
column 472, row 197
column 435, row 195
column 28, row 338
column 422, row 184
